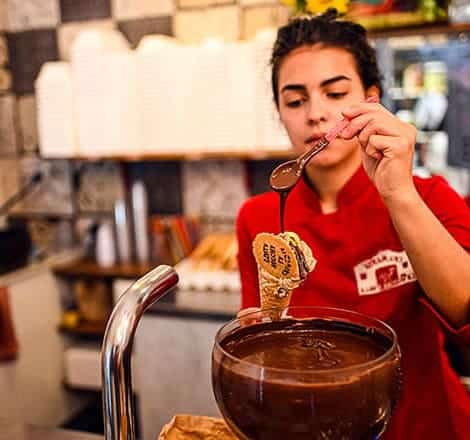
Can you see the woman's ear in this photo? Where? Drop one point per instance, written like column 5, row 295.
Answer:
column 373, row 91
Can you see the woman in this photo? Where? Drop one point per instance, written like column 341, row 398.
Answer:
column 388, row 245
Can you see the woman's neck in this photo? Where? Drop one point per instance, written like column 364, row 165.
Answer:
column 328, row 182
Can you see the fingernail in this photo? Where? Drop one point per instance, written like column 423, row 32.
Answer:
column 372, row 99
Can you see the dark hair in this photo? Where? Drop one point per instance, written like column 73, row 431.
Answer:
column 327, row 30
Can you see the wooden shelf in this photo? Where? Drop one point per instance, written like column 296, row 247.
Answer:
column 195, row 156
column 85, row 329
column 41, row 215
column 90, row 269
column 425, row 29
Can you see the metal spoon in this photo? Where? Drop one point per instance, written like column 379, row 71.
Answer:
column 285, row 176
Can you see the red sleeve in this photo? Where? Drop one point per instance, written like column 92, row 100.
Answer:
column 453, row 212
column 460, row 335
column 450, row 208
column 246, row 262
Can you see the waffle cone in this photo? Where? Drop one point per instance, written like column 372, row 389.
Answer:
column 269, row 299
column 278, row 268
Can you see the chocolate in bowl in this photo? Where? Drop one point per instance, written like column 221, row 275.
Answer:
column 317, row 373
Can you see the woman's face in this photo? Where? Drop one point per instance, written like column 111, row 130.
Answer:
column 315, row 84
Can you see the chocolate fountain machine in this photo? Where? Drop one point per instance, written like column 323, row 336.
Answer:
column 259, row 402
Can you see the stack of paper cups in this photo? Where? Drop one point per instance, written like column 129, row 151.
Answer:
column 163, row 75
column 140, row 217
column 122, row 224
column 97, row 55
column 271, row 134
column 241, row 86
column 212, row 96
column 55, row 111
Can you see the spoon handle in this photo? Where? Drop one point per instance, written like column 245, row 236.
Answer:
column 332, row 134
column 304, row 158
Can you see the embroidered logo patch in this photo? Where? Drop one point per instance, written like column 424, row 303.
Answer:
column 386, row 270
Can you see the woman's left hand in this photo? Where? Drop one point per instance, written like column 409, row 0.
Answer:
column 387, row 147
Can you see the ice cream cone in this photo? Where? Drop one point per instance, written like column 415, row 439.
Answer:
column 269, row 300
column 278, row 271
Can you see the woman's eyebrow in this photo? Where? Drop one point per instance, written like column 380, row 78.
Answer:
column 324, row 83
column 328, row 81
column 294, row 87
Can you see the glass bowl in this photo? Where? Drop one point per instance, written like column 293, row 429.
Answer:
column 314, row 373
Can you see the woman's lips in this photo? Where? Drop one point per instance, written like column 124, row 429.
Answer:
column 313, row 139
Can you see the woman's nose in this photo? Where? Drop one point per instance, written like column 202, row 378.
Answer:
column 316, row 112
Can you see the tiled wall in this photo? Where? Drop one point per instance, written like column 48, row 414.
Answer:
column 36, row 31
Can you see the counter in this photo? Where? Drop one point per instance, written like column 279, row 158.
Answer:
column 31, row 388
column 38, row 267
column 213, row 306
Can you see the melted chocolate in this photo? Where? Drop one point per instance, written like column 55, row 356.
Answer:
column 283, row 198
column 285, row 176
column 260, row 404
column 282, row 180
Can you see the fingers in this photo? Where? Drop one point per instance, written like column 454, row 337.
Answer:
column 379, row 146
column 363, row 107
column 356, row 125
column 247, row 311
column 373, row 98
column 249, row 316
column 375, row 146
column 370, row 123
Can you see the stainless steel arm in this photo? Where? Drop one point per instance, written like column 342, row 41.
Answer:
column 118, row 407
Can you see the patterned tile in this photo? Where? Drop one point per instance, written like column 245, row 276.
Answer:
column 5, row 80
column 129, row 9
column 8, row 125
column 74, row 10
column 32, row 14
column 214, row 188
column 134, row 30
column 224, row 22
column 256, row 18
column 3, row 51
column 99, row 185
column 29, row 50
column 51, row 236
column 67, row 32
column 190, row 27
column 258, row 175
column 8, row 178
column 28, row 122
column 193, row 26
column 163, row 183
column 53, row 195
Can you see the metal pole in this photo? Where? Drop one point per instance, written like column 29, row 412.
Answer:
column 118, row 407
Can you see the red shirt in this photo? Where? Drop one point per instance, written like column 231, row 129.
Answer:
column 362, row 266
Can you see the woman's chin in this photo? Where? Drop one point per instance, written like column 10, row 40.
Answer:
column 325, row 160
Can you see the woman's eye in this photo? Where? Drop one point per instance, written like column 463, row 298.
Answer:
column 293, row 104
column 336, row 95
